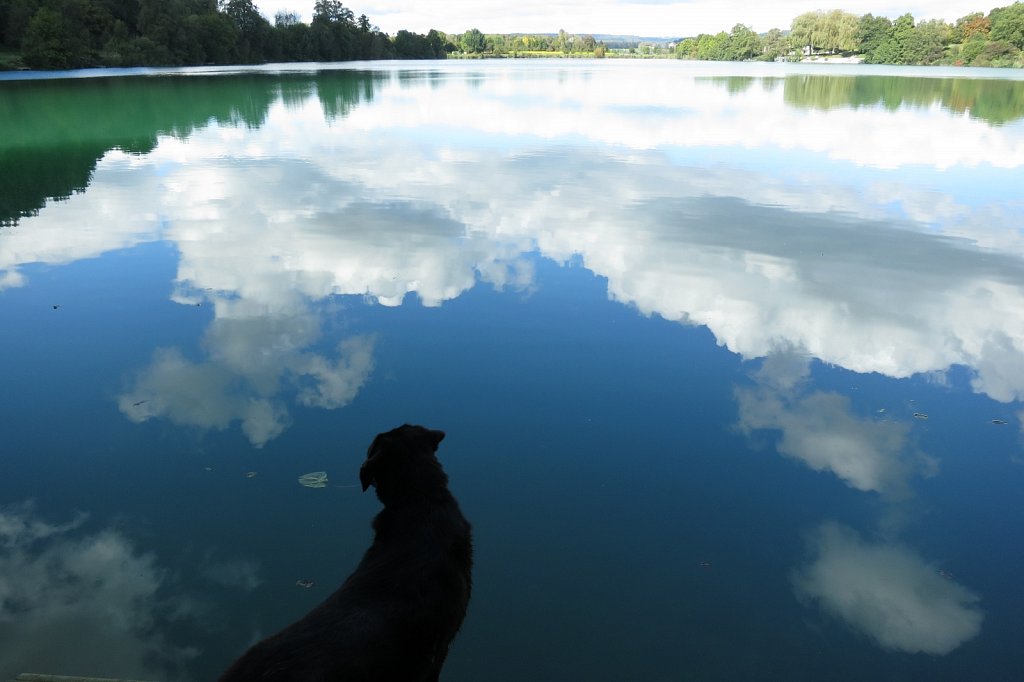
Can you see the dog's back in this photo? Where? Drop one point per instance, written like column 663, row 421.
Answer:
column 395, row 616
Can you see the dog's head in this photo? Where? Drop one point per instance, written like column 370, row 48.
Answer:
column 401, row 464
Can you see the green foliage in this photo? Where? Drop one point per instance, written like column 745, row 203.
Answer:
column 332, row 12
column 409, row 45
column 49, row 43
column 775, row 45
column 872, row 31
column 974, row 25
column 743, row 43
column 60, row 34
column 472, row 41
column 832, row 32
column 51, row 34
column 997, row 53
column 713, row 47
column 1008, row 24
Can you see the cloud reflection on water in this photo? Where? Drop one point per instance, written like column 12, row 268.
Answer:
column 874, row 275
column 249, row 361
column 887, row 592
column 73, row 601
column 821, row 430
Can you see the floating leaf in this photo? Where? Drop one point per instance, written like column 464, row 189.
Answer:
column 315, row 479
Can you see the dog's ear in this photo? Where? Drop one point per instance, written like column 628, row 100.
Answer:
column 366, row 474
column 436, row 437
column 370, row 469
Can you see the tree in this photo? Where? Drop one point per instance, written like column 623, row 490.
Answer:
column 774, row 45
column 971, row 26
column 970, row 51
column 713, row 47
column 439, row 43
column 1008, row 24
column 410, row 45
column 928, row 42
column 215, row 38
column 872, row 31
column 895, row 48
column 743, row 43
column 165, row 23
column 472, row 41
column 996, row 53
column 14, row 18
column 286, row 18
column 50, row 44
column 254, row 32
column 839, row 31
column 805, row 30
column 243, row 14
column 332, row 12
column 687, row 49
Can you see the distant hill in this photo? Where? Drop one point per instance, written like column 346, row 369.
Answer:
column 616, row 41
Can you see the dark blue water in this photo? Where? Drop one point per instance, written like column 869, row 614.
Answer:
column 731, row 376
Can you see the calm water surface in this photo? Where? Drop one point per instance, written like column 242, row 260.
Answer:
column 730, row 358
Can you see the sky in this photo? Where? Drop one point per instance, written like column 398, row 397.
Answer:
column 651, row 18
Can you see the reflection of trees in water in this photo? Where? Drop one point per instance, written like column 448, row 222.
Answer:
column 990, row 100
column 56, row 130
column 340, row 92
column 734, row 84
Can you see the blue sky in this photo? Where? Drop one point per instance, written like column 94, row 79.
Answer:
column 638, row 17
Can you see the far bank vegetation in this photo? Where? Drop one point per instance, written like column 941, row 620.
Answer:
column 67, row 34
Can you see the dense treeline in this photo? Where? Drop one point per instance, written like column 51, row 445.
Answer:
column 473, row 42
column 62, row 34
column 995, row 39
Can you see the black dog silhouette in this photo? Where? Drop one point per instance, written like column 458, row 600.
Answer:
column 396, row 615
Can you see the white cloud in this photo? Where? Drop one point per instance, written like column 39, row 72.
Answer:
column 73, row 602
column 887, row 592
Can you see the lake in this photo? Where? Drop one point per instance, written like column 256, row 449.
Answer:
column 730, row 358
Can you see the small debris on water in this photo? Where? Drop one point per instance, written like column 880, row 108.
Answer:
column 315, row 479
column 920, row 415
column 881, row 410
column 208, row 468
column 302, row 582
column 250, row 474
column 704, row 564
